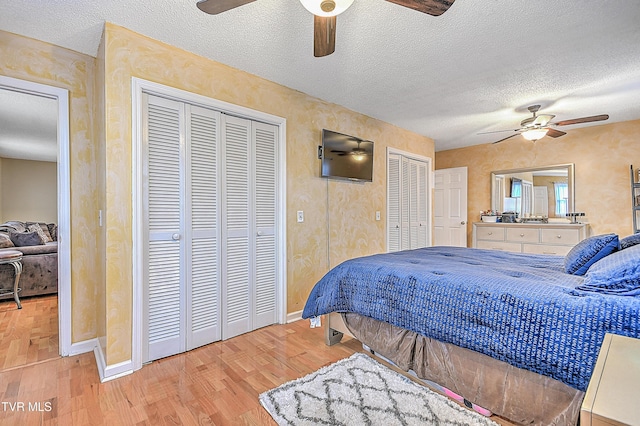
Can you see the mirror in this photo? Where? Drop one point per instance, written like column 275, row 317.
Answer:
column 546, row 191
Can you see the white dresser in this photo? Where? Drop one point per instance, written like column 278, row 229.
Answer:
column 535, row 238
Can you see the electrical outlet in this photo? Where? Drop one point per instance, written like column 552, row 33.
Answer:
column 300, row 216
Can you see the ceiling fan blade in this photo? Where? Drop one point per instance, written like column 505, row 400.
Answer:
column 498, row 131
column 213, row 7
column 601, row 117
column 431, row 7
column 555, row 133
column 324, row 35
column 508, row 137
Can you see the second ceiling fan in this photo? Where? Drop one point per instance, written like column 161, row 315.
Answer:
column 324, row 15
column 540, row 125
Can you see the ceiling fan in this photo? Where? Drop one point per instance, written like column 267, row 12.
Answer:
column 325, row 12
column 540, row 125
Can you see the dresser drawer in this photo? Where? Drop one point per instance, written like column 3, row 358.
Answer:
column 499, row 245
column 545, row 249
column 523, row 235
column 568, row 237
column 490, row 233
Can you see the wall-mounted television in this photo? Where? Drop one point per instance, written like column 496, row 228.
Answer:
column 516, row 188
column 346, row 157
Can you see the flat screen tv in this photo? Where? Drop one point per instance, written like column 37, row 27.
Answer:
column 346, row 157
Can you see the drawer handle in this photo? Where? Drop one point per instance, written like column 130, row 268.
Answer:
column 490, row 233
column 558, row 236
column 522, row 235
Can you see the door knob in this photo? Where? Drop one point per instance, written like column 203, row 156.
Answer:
column 175, row 237
column 259, row 233
column 463, row 223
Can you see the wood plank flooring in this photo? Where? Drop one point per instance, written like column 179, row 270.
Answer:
column 28, row 335
column 217, row 384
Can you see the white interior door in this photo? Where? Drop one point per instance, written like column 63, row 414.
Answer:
column 540, row 201
column 450, row 207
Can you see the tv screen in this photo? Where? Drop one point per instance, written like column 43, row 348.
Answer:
column 346, row 157
column 516, row 188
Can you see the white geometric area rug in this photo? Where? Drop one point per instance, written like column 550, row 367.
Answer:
column 360, row 391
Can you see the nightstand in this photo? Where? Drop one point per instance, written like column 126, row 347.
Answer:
column 614, row 390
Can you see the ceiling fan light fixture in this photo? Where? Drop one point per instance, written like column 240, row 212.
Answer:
column 535, row 134
column 326, row 8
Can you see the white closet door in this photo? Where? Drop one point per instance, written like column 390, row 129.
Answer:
column 164, row 190
column 203, row 292
column 414, row 205
column 393, row 203
column 423, row 204
column 405, row 205
column 236, row 133
column 264, row 137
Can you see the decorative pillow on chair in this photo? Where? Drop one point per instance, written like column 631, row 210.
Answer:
column 21, row 239
column 5, row 241
column 616, row 274
column 629, row 241
column 589, row 251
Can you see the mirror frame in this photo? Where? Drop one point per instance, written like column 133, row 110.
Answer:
column 570, row 175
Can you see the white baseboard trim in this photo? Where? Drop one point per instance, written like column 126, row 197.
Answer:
column 83, row 347
column 110, row 372
column 294, row 316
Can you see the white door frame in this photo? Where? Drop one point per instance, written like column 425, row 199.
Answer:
column 429, row 161
column 138, row 86
column 64, row 200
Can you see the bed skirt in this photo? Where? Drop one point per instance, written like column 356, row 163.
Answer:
column 518, row 395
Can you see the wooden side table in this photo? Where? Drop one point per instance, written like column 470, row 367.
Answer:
column 14, row 258
column 613, row 393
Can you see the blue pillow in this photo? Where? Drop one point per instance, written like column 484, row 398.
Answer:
column 589, row 251
column 630, row 241
column 616, row 274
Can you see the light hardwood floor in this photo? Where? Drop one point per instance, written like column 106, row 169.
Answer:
column 28, row 335
column 217, row 384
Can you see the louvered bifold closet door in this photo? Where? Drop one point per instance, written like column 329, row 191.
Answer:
column 164, row 190
column 393, row 197
column 203, row 295
column 236, row 134
column 264, row 163
column 414, row 203
column 423, row 182
column 405, row 205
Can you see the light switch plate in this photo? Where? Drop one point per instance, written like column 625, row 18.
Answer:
column 300, row 216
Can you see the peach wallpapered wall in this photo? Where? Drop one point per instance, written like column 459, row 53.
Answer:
column 353, row 230
column 31, row 60
column 602, row 155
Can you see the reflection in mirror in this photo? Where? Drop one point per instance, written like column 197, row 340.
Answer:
column 546, row 191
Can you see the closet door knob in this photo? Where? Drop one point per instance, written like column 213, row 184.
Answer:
column 175, row 237
column 259, row 233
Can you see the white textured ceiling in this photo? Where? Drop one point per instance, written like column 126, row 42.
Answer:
column 28, row 126
column 474, row 69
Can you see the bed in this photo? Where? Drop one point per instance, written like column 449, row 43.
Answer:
column 514, row 333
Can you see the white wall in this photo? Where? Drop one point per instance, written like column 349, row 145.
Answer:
column 28, row 191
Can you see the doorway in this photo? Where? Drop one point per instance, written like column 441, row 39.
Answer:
column 56, row 153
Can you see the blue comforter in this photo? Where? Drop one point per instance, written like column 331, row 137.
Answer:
column 518, row 308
